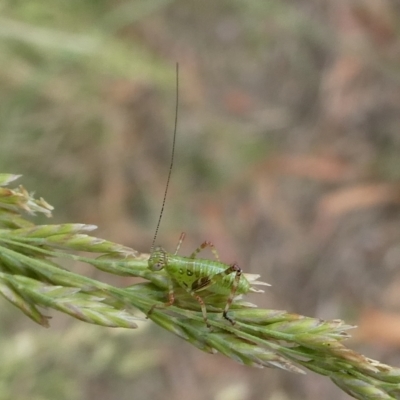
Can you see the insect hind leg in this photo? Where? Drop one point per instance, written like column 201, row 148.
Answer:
column 205, row 244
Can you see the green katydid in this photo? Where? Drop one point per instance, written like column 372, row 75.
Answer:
column 197, row 274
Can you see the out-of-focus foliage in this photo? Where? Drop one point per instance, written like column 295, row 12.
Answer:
column 287, row 155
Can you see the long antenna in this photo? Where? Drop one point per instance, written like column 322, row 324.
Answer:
column 172, row 157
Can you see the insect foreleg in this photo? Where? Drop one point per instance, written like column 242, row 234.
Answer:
column 234, row 268
column 202, row 247
column 181, row 239
column 171, row 299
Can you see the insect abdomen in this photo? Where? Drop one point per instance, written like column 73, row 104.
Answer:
column 188, row 273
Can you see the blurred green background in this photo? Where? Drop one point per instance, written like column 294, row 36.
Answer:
column 287, row 158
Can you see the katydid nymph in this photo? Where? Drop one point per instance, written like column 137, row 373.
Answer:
column 196, row 274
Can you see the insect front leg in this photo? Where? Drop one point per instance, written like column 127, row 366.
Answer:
column 203, row 246
column 181, row 239
column 171, row 299
column 233, row 268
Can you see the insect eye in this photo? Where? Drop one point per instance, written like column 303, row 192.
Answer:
column 158, row 266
